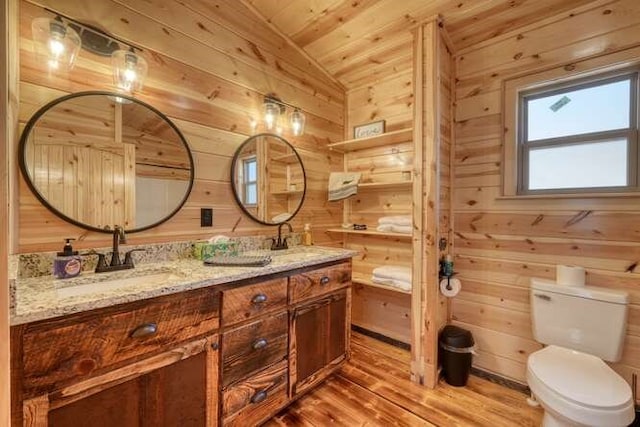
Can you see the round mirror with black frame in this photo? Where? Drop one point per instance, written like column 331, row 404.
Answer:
column 100, row 159
column 268, row 179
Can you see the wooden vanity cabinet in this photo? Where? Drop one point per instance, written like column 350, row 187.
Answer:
column 319, row 340
column 172, row 395
column 254, row 352
column 281, row 349
column 209, row 357
column 320, row 324
column 127, row 365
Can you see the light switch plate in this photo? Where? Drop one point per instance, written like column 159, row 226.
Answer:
column 206, row 217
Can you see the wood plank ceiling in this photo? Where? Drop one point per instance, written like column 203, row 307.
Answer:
column 345, row 35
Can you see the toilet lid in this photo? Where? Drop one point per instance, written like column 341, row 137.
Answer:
column 580, row 377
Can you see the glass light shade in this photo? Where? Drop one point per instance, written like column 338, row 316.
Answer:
column 55, row 44
column 279, row 128
column 271, row 115
column 129, row 70
column 296, row 121
column 253, row 123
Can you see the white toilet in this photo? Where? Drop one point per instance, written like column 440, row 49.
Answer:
column 581, row 326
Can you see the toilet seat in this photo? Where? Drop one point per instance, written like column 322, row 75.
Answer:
column 579, row 387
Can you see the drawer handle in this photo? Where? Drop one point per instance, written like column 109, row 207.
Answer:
column 260, row 396
column 144, row 330
column 543, row 297
column 260, row 343
column 259, row 299
column 324, row 280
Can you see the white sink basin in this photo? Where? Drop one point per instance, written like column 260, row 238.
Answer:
column 101, row 286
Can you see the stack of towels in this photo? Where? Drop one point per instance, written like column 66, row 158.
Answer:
column 286, row 216
column 343, row 185
column 393, row 275
column 396, row 224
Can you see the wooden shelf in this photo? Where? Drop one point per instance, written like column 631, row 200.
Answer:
column 390, row 184
column 287, row 158
column 286, row 193
column 369, row 233
column 388, row 138
column 366, row 280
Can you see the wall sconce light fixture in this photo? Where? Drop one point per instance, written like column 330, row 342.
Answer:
column 273, row 117
column 129, row 70
column 57, row 43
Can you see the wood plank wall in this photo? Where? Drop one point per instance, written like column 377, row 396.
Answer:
column 209, row 67
column 380, row 87
column 501, row 244
column 385, row 89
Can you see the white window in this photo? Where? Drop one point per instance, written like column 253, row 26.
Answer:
column 250, row 181
column 580, row 136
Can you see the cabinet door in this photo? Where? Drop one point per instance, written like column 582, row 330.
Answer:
column 180, row 393
column 319, row 344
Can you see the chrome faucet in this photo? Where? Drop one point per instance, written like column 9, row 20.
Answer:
column 116, row 264
column 281, row 243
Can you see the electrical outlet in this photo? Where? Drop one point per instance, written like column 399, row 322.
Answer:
column 206, row 217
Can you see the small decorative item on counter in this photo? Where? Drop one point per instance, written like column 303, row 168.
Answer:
column 68, row 263
column 215, row 246
column 359, row 226
column 307, row 239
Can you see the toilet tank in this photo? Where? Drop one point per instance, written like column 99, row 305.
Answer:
column 588, row 319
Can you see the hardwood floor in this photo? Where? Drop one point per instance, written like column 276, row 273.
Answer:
column 373, row 389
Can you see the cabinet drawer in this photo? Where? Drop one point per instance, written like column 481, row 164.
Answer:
column 318, row 282
column 80, row 346
column 248, row 403
column 254, row 347
column 243, row 303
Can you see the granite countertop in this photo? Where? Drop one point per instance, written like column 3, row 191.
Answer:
column 42, row 298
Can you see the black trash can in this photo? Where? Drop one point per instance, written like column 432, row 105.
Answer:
column 456, row 351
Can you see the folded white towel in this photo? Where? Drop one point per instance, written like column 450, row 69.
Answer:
column 396, row 272
column 343, row 185
column 405, row 220
column 405, row 286
column 392, row 228
column 285, row 216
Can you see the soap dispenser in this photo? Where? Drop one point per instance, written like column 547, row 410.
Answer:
column 307, row 239
column 68, row 263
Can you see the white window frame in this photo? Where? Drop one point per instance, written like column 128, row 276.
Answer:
column 245, row 182
column 515, row 172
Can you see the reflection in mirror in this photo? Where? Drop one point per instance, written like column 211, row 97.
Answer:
column 98, row 160
column 268, row 179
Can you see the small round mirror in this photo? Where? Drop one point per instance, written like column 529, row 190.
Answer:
column 100, row 159
column 268, row 179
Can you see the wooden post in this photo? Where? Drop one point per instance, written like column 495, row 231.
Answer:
column 9, row 132
column 417, row 298
column 430, row 203
column 428, row 307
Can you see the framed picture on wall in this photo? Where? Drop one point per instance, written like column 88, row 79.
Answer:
column 368, row 130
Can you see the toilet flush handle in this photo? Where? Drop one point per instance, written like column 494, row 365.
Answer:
column 543, row 297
